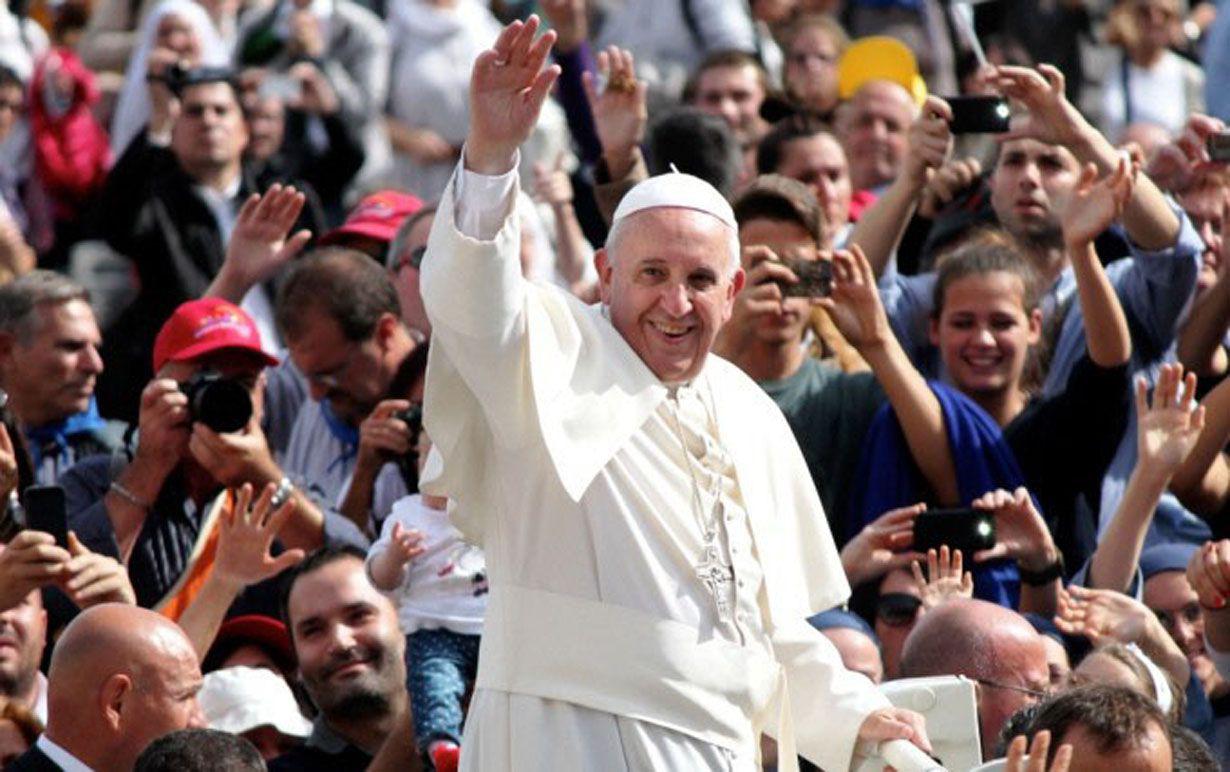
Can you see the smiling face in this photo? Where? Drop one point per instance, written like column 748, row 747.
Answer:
column 874, row 129
column 1031, row 185
column 984, row 332
column 346, row 639
column 667, row 283
column 1204, row 206
column 1169, row 595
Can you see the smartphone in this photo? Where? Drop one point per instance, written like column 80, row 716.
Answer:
column 815, row 279
column 968, row 530
column 1219, row 147
column 278, row 86
column 978, row 114
column 47, row 512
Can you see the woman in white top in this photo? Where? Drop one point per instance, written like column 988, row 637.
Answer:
column 1149, row 83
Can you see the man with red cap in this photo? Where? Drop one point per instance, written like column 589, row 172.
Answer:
column 373, row 223
column 199, row 437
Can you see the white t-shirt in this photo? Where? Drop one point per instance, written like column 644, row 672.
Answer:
column 446, row 586
column 1157, row 96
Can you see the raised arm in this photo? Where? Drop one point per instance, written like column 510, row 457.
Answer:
column 1166, row 431
column 1092, row 208
column 879, row 230
column 261, row 244
column 1150, row 221
column 856, row 310
column 620, row 115
column 1202, row 482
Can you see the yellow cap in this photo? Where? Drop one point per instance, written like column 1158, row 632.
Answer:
column 879, row 58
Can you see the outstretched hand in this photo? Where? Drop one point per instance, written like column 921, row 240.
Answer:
column 245, row 536
column 507, row 89
column 260, row 244
column 619, row 110
column 1102, row 616
column 854, row 304
column 946, row 578
column 1096, row 204
column 1018, row 761
column 1168, row 428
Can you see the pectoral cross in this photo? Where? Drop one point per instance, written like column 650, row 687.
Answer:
column 716, row 575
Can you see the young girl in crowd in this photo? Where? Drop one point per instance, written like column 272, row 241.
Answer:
column 439, row 583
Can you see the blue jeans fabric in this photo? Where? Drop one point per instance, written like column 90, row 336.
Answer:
column 439, row 663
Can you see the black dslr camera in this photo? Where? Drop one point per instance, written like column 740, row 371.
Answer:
column 408, row 464
column 223, row 404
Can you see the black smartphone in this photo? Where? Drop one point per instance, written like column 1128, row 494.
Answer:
column 1219, row 146
column 47, row 512
column 968, row 530
column 978, row 114
column 815, row 279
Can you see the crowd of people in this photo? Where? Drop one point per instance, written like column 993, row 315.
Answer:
column 299, row 472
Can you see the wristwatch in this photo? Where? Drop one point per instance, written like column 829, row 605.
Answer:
column 282, row 494
column 1045, row 575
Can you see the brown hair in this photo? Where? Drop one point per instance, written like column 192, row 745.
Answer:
column 987, row 250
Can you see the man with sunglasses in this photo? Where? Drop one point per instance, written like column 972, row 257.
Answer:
column 404, row 259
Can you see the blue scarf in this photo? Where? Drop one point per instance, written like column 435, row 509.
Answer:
column 343, row 432
column 887, row 477
column 58, row 433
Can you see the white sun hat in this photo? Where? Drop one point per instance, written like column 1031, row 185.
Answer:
column 239, row 699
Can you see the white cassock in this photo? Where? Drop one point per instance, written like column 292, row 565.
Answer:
column 648, row 604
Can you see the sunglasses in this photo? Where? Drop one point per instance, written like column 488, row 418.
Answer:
column 897, row 609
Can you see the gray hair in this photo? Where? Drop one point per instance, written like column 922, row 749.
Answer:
column 616, row 231
column 20, row 298
column 398, row 244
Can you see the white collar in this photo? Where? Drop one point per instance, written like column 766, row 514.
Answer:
column 63, row 759
column 40, row 702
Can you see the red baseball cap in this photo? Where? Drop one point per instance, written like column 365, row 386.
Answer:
column 262, row 631
column 202, row 326
column 377, row 216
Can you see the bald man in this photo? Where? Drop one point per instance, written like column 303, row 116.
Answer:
column 990, row 644
column 120, row 677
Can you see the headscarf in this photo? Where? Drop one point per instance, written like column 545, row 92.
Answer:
column 132, row 109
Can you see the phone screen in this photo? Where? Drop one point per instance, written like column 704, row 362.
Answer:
column 968, row 530
column 979, row 114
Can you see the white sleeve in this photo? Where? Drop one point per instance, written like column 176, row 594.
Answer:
column 483, row 202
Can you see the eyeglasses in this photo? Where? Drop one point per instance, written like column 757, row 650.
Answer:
column 897, row 609
column 1037, row 694
column 414, row 259
column 331, row 379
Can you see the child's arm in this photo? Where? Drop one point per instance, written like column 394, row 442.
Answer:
column 388, row 565
column 1093, row 207
column 1202, row 482
column 1165, row 434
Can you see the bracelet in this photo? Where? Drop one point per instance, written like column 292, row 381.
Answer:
column 1044, row 576
column 130, row 497
column 282, row 494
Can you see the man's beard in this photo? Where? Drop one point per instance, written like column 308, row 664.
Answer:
column 370, row 695
column 1041, row 238
column 14, row 683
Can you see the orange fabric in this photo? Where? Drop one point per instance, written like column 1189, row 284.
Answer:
column 197, row 573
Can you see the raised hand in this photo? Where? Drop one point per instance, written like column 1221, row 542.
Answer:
column 1102, row 616
column 245, row 536
column 507, row 89
column 260, row 243
column 883, row 545
column 854, row 304
column 944, row 185
column 1021, row 533
column 930, row 141
column 1175, row 165
column 619, row 111
column 551, row 183
column 89, row 578
column 406, row 543
column 1095, row 204
column 945, row 578
column 1209, row 573
column 1167, row 429
column 1050, row 117
column 1036, row 760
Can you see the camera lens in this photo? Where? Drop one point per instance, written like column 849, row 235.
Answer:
column 222, row 404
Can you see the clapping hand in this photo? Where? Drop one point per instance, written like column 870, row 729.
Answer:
column 245, row 536
column 619, row 111
column 1168, row 428
column 945, row 578
column 507, row 89
column 883, row 545
column 1096, row 204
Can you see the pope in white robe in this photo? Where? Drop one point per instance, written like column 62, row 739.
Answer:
column 653, row 539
